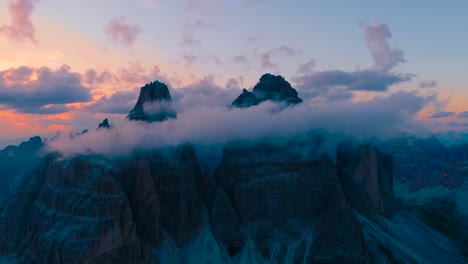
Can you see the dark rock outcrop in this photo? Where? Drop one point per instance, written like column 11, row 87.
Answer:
column 154, row 104
column 366, row 176
column 104, row 124
column 269, row 88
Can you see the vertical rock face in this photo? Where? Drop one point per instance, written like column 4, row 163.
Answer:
column 154, row 104
column 276, row 192
column 269, row 88
column 17, row 162
column 225, row 223
column 73, row 211
column 366, row 177
column 90, row 209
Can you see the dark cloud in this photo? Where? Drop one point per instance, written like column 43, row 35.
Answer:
column 338, row 85
column 427, row 84
column 121, row 32
column 463, row 114
column 205, row 93
column 443, row 114
column 120, row 102
column 266, row 58
column 41, row 90
column 456, row 124
column 21, row 27
column 91, row 76
column 193, row 59
column 385, row 58
column 240, row 59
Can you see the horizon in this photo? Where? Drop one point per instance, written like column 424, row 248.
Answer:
column 67, row 66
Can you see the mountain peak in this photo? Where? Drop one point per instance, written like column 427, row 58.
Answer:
column 153, row 104
column 269, row 88
column 104, row 124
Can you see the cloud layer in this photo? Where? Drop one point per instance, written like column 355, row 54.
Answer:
column 384, row 116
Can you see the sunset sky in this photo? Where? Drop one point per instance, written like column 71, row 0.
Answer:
column 65, row 65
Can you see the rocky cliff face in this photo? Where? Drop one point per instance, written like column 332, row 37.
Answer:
column 273, row 190
column 154, row 104
column 425, row 163
column 269, row 88
column 264, row 199
column 89, row 209
column 366, row 176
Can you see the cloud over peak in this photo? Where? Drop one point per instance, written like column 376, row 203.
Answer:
column 21, row 27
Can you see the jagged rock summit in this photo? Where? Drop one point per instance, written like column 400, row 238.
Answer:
column 104, row 124
column 270, row 88
column 154, row 104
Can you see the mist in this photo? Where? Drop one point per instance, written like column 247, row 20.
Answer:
column 381, row 117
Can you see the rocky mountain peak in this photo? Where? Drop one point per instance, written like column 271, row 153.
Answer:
column 269, row 88
column 104, row 124
column 154, row 104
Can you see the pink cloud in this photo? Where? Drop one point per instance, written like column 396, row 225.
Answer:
column 120, row 32
column 21, row 27
column 377, row 39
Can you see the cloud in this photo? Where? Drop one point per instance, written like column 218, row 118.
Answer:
column 428, row 84
column 91, row 76
column 442, row 114
column 189, row 30
column 385, row 58
column 463, row 114
column 120, row 102
column 338, row 85
column 382, row 117
column 193, row 59
column 21, row 27
column 123, row 33
column 266, row 58
column 136, row 74
column 456, row 124
column 307, row 67
column 204, row 93
column 41, row 90
column 240, row 59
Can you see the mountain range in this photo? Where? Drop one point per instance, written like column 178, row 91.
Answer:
column 402, row 200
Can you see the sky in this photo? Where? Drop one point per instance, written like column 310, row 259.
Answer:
column 66, row 65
